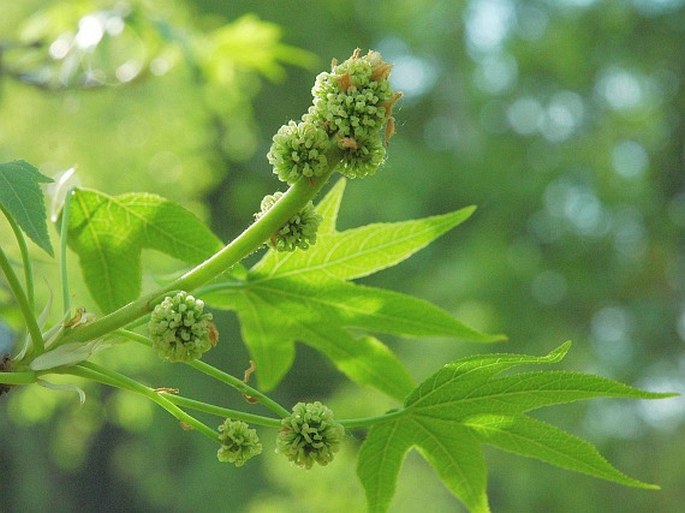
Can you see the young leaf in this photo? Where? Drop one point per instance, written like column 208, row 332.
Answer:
column 468, row 403
column 108, row 233
column 274, row 318
column 21, row 198
column 359, row 251
column 303, row 296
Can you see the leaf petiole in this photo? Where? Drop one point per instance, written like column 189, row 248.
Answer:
column 23, row 248
column 37, row 347
column 112, row 378
column 64, row 275
column 220, row 411
column 219, row 375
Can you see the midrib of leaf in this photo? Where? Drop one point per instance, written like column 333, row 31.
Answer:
column 147, row 224
column 493, row 361
column 328, row 262
column 453, row 462
column 475, row 499
column 100, row 252
column 421, row 409
column 386, row 446
column 254, row 311
column 317, row 300
column 561, row 455
column 309, row 333
column 21, row 203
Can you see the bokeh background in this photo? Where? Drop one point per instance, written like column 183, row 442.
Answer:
column 562, row 120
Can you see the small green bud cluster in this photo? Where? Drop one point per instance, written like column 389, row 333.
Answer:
column 310, row 435
column 238, row 441
column 351, row 117
column 298, row 232
column 180, row 330
column 299, row 149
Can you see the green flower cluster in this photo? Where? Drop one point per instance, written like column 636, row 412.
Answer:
column 310, row 435
column 238, row 441
column 180, row 330
column 298, row 232
column 350, row 120
column 299, row 149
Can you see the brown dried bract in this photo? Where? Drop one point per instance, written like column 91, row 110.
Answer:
column 213, row 333
column 246, row 378
column 381, row 71
column 76, row 318
column 344, row 81
column 167, row 390
column 389, row 129
column 349, row 143
column 388, row 105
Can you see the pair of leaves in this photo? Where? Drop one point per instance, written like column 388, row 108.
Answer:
column 22, row 199
column 307, row 296
column 469, row 403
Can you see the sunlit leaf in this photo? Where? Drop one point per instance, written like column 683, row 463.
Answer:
column 304, row 296
column 468, row 403
column 109, row 232
column 22, row 199
column 359, row 251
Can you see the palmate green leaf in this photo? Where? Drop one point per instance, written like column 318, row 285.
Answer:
column 359, row 251
column 22, row 199
column 277, row 314
column 468, row 403
column 303, row 296
column 109, row 232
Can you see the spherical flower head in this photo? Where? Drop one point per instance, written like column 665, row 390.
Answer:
column 180, row 329
column 355, row 99
column 361, row 158
column 299, row 149
column 238, row 441
column 309, row 435
column 298, row 232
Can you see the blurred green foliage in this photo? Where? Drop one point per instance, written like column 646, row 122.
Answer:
column 562, row 120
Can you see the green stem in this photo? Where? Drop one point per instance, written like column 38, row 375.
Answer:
column 64, row 275
column 239, row 385
column 219, row 375
column 23, row 248
column 94, row 372
column 24, row 305
column 251, row 239
column 18, row 378
column 220, row 411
